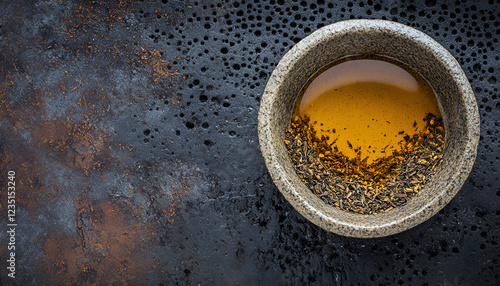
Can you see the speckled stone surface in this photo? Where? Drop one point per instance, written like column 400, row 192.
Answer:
column 415, row 49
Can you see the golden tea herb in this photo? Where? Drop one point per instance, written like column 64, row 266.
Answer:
column 344, row 161
column 352, row 184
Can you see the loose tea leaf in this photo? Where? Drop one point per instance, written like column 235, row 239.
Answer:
column 351, row 184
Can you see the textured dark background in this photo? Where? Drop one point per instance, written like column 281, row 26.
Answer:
column 132, row 128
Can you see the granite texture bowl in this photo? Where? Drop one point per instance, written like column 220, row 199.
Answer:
column 364, row 37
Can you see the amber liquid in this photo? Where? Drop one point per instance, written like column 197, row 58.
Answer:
column 366, row 106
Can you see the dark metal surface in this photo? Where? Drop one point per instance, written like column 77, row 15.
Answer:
column 132, row 129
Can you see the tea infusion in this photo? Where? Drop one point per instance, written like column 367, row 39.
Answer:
column 366, row 134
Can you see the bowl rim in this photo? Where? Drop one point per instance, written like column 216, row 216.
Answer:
column 276, row 170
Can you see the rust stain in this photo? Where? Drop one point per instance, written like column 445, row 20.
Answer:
column 175, row 196
column 88, row 14
column 29, row 183
column 111, row 247
column 35, row 142
column 5, row 104
column 163, row 74
column 153, row 58
column 77, row 144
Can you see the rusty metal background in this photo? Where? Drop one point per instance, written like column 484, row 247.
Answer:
column 132, row 129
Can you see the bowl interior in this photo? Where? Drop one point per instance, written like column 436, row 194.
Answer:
column 411, row 47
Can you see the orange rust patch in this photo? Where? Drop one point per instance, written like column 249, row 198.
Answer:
column 88, row 12
column 175, row 197
column 94, row 101
column 79, row 144
column 34, row 141
column 8, row 82
column 160, row 67
column 62, row 257
column 110, row 247
column 162, row 72
column 21, row 159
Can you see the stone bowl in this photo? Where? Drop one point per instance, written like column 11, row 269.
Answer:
column 371, row 37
